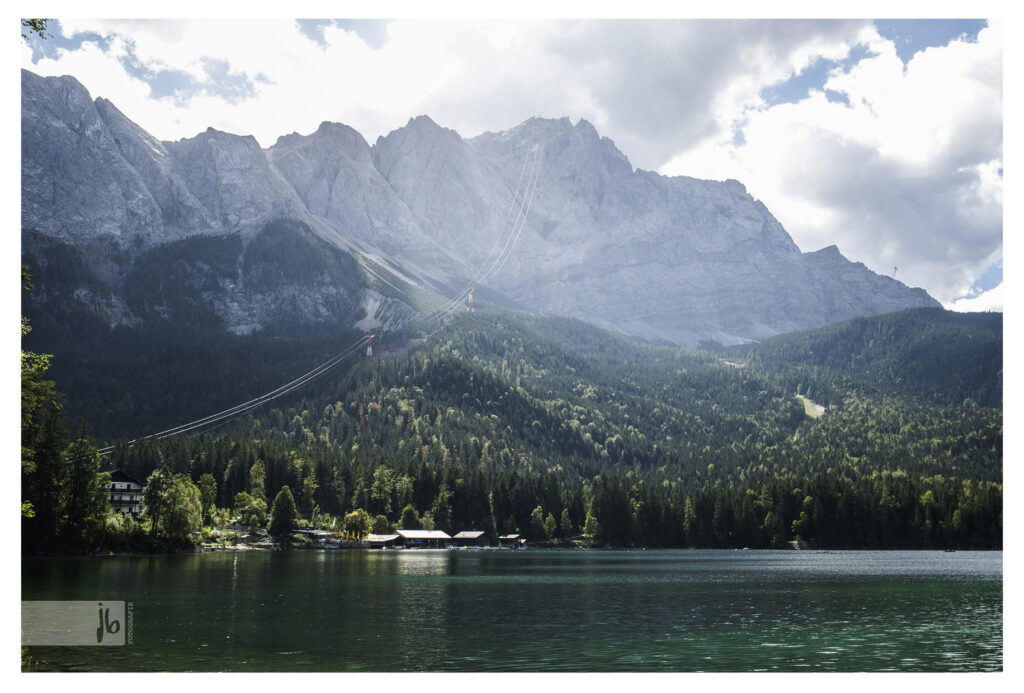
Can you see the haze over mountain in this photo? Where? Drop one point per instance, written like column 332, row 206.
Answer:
column 552, row 215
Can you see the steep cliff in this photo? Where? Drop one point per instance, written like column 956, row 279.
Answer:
column 548, row 214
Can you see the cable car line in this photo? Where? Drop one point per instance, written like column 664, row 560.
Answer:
column 510, row 241
column 434, row 316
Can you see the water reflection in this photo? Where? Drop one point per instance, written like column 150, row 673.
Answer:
column 540, row 610
column 422, row 594
column 422, row 562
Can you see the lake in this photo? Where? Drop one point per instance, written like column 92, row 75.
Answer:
column 537, row 610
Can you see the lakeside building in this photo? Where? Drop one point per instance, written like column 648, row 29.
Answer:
column 320, row 537
column 422, row 539
column 381, row 541
column 471, row 538
column 125, row 493
column 511, row 541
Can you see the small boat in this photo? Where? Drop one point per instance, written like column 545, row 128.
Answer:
column 949, row 550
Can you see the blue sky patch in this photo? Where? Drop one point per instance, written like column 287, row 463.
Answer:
column 313, row 28
column 56, row 42
column 233, row 88
column 908, row 35
column 163, row 82
column 913, row 35
column 797, row 87
column 372, row 31
column 989, row 279
column 837, row 97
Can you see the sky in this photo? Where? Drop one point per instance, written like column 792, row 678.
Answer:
column 882, row 137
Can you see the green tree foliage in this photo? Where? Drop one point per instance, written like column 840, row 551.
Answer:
column 410, row 518
column 382, row 490
column 154, row 497
column 502, row 421
column 173, row 505
column 441, row 509
column 284, row 514
column 250, row 511
column 208, row 495
column 179, row 361
column 310, row 489
column 65, row 497
column 86, row 494
column 182, row 513
column 34, row 27
column 537, row 531
column 565, row 525
column 38, row 398
column 258, row 480
column 930, row 354
column 381, row 525
column 550, row 528
column 357, row 523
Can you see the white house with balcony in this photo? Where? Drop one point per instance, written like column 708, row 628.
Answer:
column 125, row 493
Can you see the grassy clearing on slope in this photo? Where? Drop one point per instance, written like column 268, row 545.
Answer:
column 812, row 409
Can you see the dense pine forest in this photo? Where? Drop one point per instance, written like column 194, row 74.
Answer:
column 555, row 429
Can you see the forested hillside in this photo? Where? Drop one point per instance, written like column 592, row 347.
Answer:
column 508, row 422
column 929, row 354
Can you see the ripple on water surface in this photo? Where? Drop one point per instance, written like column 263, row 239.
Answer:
column 540, row 611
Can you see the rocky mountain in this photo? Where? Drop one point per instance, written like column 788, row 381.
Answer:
column 549, row 215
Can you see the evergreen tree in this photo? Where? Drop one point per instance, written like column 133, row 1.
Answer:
column 86, row 494
column 381, row 525
column 410, row 518
column 441, row 509
column 154, row 497
column 565, row 524
column 258, row 481
column 208, row 495
column 284, row 515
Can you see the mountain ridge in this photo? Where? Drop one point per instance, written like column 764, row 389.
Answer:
column 670, row 259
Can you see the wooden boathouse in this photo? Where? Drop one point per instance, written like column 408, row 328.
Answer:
column 422, row 539
column 471, row 538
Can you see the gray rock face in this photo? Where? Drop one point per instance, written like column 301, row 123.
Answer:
column 180, row 210
column 333, row 173
column 669, row 259
column 550, row 214
column 231, row 176
column 75, row 184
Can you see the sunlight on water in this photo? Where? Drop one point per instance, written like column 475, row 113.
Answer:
column 540, row 611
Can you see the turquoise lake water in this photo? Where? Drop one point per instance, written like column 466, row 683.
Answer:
column 538, row 610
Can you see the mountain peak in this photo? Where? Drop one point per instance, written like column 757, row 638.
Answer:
column 423, row 122
column 830, row 251
column 585, row 125
column 672, row 259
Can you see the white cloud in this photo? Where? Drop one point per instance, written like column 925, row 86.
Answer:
column 905, row 175
column 301, row 82
column 990, row 300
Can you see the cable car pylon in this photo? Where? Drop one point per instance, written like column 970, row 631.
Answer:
column 469, row 300
column 369, row 346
